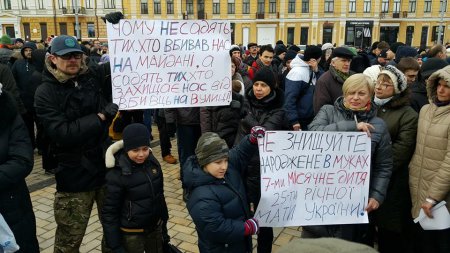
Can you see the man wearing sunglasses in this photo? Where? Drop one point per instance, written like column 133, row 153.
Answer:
column 74, row 105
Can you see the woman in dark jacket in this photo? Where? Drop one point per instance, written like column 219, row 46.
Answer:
column 217, row 204
column 393, row 219
column 135, row 210
column 16, row 162
column 355, row 104
column 264, row 107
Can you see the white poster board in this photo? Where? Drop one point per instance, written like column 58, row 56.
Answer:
column 169, row 64
column 313, row 178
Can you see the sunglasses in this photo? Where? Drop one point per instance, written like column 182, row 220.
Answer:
column 70, row 55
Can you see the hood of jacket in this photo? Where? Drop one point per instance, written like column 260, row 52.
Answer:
column 432, row 82
column 116, row 156
column 8, row 110
column 299, row 70
column 194, row 176
column 31, row 45
column 51, row 69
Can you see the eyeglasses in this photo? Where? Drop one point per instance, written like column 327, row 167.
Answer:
column 383, row 85
column 70, row 55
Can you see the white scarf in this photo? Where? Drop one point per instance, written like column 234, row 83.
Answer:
column 381, row 101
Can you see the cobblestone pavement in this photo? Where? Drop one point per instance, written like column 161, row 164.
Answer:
column 180, row 225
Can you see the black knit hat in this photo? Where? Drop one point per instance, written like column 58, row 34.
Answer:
column 312, row 52
column 290, row 55
column 267, row 76
column 279, row 49
column 294, row 48
column 134, row 136
column 210, row 148
column 430, row 66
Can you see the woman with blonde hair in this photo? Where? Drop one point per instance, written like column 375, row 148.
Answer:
column 354, row 112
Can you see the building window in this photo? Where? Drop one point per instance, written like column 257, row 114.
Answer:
column 367, row 5
column 7, row 4
column 88, row 4
column 409, row 35
column 40, row 4
column 109, row 4
column 246, row 7
column 231, row 7
column 304, row 35
column 216, row 6
column 190, row 6
column 327, row 34
column 424, row 36
column 305, row 6
column 329, row 6
column 352, row 6
column 272, row 6
column 157, row 6
column 291, row 6
column 442, row 5
column 435, row 34
column 24, row 5
column 62, row 4
column 62, row 28
column 412, row 6
column 385, row 6
column 91, row 30
column 261, row 7
column 290, row 35
column 144, row 7
column 397, row 4
column 427, row 6
column 350, row 39
column 170, row 7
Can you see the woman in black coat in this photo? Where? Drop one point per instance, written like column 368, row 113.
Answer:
column 264, row 108
column 16, row 162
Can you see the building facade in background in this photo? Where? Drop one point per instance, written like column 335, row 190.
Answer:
column 351, row 22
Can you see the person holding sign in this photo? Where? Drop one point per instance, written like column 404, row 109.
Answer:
column 355, row 112
column 264, row 107
column 393, row 219
column 429, row 170
column 217, row 204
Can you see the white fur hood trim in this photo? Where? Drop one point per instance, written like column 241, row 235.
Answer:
column 110, row 160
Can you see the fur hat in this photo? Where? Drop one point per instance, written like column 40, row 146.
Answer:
column 443, row 73
column 312, row 52
column 134, row 136
column 397, row 77
column 267, row 76
column 210, row 147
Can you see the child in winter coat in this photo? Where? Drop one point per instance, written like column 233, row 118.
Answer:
column 135, row 209
column 218, row 203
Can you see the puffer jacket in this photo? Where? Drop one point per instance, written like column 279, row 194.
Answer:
column 269, row 113
column 134, row 197
column 219, row 207
column 401, row 121
column 16, row 162
column 67, row 109
column 299, row 89
column 429, row 170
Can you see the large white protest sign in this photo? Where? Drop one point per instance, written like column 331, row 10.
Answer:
column 167, row 64
column 313, row 178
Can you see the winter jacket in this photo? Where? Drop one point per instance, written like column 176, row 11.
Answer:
column 401, row 121
column 16, row 163
column 269, row 113
column 5, row 56
column 23, row 70
column 9, row 84
column 189, row 116
column 429, row 170
column 68, row 112
column 328, row 89
column 219, row 207
column 223, row 120
column 299, row 90
column 134, row 197
column 338, row 118
column 257, row 65
column 418, row 95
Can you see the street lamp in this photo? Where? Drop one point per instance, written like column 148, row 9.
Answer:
column 77, row 24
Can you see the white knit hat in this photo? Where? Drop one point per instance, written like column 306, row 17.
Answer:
column 373, row 72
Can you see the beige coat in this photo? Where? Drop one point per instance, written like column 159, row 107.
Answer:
column 429, row 174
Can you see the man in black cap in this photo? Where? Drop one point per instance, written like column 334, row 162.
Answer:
column 329, row 85
column 253, row 56
column 73, row 103
column 300, row 85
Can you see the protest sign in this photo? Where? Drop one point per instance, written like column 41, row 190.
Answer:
column 169, row 64
column 313, row 178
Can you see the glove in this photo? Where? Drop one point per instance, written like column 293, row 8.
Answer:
column 255, row 133
column 171, row 129
column 113, row 17
column 110, row 111
column 251, row 227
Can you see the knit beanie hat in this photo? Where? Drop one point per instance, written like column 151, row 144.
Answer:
column 290, row 55
column 326, row 46
column 431, row 65
column 312, row 52
column 5, row 40
column 397, row 77
column 210, row 148
column 373, row 72
column 266, row 75
column 134, row 136
column 294, row 48
column 279, row 49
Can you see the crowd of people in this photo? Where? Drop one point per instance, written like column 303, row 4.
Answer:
column 398, row 95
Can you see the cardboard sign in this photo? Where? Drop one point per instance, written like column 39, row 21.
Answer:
column 313, row 178
column 169, row 64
